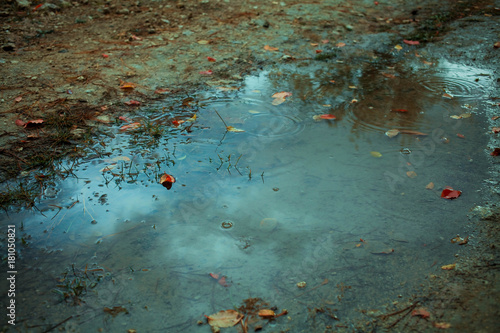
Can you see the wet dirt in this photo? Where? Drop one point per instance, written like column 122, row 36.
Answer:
column 73, row 62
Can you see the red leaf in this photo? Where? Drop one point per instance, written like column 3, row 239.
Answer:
column 399, row 110
column 167, row 180
column 124, row 119
column 411, row 42
column 211, row 59
column 104, row 55
column 133, row 103
column 495, row 129
column 19, row 122
column 214, row 275
column 461, row 135
column 18, row 99
column 319, row 51
column 209, row 72
column 37, row 6
column 176, row 123
column 222, row 282
column 450, row 193
column 130, row 126
column 495, row 152
column 327, row 116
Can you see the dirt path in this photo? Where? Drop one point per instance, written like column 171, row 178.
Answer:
column 73, row 65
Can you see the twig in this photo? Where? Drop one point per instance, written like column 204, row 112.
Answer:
column 408, row 309
column 62, row 322
column 221, row 118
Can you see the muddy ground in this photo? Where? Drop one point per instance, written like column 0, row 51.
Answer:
column 77, row 65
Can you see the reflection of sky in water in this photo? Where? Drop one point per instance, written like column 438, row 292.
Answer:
column 314, row 191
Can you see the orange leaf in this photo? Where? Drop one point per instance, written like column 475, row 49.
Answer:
column 124, row 119
column 214, row 275
column 430, row 186
column 270, row 48
column 461, row 136
column 449, row 267
column 340, row 44
column 411, row 174
column 319, row 51
column 104, row 55
column 411, row 42
column 211, row 59
column 130, row 126
column 18, row 99
column 266, row 313
column 227, row 318
column 222, row 282
column 449, row 193
column 167, row 180
column 421, row 312
column 162, row 91
column 280, row 97
column 324, row 116
column 445, row 95
column 127, row 85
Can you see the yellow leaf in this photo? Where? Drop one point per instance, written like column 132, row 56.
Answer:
column 375, row 154
column 233, row 129
column 193, row 118
column 266, row 313
column 227, row 318
column 353, row 87
column 442, row 325
column 448, row 267
column 203, row 42
column 398, row 47
column 430, row 186
column 465, row 115
column 392, row 133
column 455, row 117
column 254, row 111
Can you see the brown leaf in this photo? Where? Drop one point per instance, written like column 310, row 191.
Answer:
column 421, row 312
column 392, row 132
column 411, row 132
column 270, row 48
column 227, row 318
column 411, row 174
column 266, row 313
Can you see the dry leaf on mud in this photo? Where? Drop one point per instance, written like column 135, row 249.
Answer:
column 421, row 312
column 449, row 267
column 270, row 48
column 227, row 318
column 167, row 180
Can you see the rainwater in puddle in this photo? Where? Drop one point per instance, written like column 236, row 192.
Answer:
column 336, row 204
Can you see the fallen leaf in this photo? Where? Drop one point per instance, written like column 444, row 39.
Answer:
column 495, row 152
column 162, row 91
column 209, row 72
column 319, row 51
column 266, row 313
column 495, row 129
column 115, row 310
column 233, row 129
column 398, row 47
column 124, row 119
column 411, row 174
column 461, row 136
column 392, row 133
column 108, row 168
column 445, row 95
column 132, row 103
column 466, row 115
column 130, row 126
column 375, row 154
column 496, row 45
column 167, row 180
column 411, row 132
column 280, row 97
column 314, row 44
column 340, row 44
column 33, row 123
column 134, row 37
column 421, row 312
column 448, row 267
column 325, row 41
column 214, row 275
column 354, row 100
column 105, row 55
column 449, row 193
column 18, row 99
column 225, row 318
column 203, row 42
column 324, row 116
column 270, row 48
column 455, row 117
column 388, row 251
column 411, row 42
column 428, row 63
column 193, row 118
column 399, row 110
column 127, row 85
column 222, row 282
column 430, row 186
column 19, row 122
column 495, row 117
column 353, row 87
column 211, row 59
column 441, row 325
column 390, row 76
column 119, row 158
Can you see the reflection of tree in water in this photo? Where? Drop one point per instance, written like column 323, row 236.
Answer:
column 363, row 93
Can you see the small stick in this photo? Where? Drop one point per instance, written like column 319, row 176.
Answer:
column 221, row 118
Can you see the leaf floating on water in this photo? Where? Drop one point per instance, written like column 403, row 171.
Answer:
column 324, row 116
column 131, row 126
column 115, row 310
column 254, row 111
column 495, row 129
column 108, row 168
column 127, row 85
column 449, row 267
column 461, row 136
column 388, row 251
column 340, row 44
column 167, row 180
column 411, row 174
column 392, row 133
column 227, row 318
column 119, row 158
column 430, row 186
column 266, row 313
column 445, row 95
column 233, row 129
column 203, row 42
column 450, row 193
column 375, row 154
column 455, row 117
column 411, row 132
column 280, row 97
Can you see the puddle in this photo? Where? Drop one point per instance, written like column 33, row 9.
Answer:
column 333, row 203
